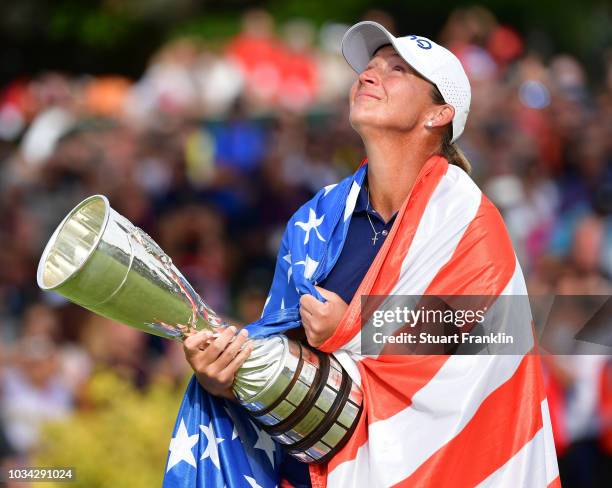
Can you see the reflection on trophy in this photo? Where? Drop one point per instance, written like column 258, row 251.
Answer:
column 101, row 261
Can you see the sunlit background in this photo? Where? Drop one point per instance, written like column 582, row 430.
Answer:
column 208, row 124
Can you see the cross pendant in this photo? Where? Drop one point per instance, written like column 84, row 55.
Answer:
column 375, row 238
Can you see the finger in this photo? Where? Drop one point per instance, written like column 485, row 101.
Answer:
column 233, row 349
column 240, row 358
column 310, row 304
column 329, row 295
column 216, row 347
column 304, row 314
column 311, row 332
column 306, row 320
column 315, row 340
column 192, row 343
column 311, row 335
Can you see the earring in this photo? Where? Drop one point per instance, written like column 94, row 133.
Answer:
column 429, row 123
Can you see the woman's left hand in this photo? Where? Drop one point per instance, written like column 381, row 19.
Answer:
column 321, row 319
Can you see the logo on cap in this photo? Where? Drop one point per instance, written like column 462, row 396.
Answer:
column 422, row 43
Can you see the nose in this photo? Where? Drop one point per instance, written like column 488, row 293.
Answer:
column 369, row 76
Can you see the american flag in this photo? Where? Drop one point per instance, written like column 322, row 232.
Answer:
column 428, row 420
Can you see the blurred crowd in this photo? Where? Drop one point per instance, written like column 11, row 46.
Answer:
column 217, row 144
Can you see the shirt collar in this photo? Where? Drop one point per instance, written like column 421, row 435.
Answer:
column 362, row 203
column 362, row 199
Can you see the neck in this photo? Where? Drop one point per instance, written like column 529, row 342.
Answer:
column 394, row 162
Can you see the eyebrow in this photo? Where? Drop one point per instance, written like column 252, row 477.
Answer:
column 391, row 55
column 395, row 53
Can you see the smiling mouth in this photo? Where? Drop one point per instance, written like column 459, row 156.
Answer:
column 368, row 95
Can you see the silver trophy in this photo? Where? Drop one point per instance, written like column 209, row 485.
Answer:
column 98, row 259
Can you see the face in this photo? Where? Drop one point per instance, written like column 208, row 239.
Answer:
column 389, row 94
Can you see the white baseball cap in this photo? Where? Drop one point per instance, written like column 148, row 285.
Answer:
column 432, row 61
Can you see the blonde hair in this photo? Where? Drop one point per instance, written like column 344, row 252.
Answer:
column 449, row 149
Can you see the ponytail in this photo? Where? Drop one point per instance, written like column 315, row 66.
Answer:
column 452, row 152
column 449, row 149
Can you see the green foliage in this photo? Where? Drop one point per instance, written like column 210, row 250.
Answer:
column 217, row 27
column 119, row 440
column 90, row 27
column 321, row 11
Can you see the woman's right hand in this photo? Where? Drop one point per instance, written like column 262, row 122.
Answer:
column 215, row 360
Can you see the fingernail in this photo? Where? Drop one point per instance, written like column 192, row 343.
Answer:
column 232, row 328
column 244, row 333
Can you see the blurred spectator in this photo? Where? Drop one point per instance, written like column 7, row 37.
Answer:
column 258, row 53
column 32, row 392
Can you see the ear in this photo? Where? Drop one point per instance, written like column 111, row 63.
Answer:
column 440, row 116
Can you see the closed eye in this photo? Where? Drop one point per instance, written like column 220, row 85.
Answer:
column 399, row 67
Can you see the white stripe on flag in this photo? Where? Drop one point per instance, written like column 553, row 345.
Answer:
column 552, row 468
column 349, row 364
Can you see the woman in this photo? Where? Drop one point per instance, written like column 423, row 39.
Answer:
column 418, row 225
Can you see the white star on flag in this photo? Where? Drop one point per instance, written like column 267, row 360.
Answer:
column 181, row 447
column 312, row 224
column 265, row 305
column 212, row 449
column 287, row 258
column 251, row 481
column 310, row 265
column 265, row 443
column 329, row 188
column 351, row 200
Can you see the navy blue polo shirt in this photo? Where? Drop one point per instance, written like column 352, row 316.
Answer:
column 357, row 254
column 359, row 250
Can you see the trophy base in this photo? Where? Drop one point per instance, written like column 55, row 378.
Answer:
column 316, row 409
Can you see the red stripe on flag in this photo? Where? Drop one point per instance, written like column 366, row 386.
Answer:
column 389, row 383
column 318, row 475
column 556, row 483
